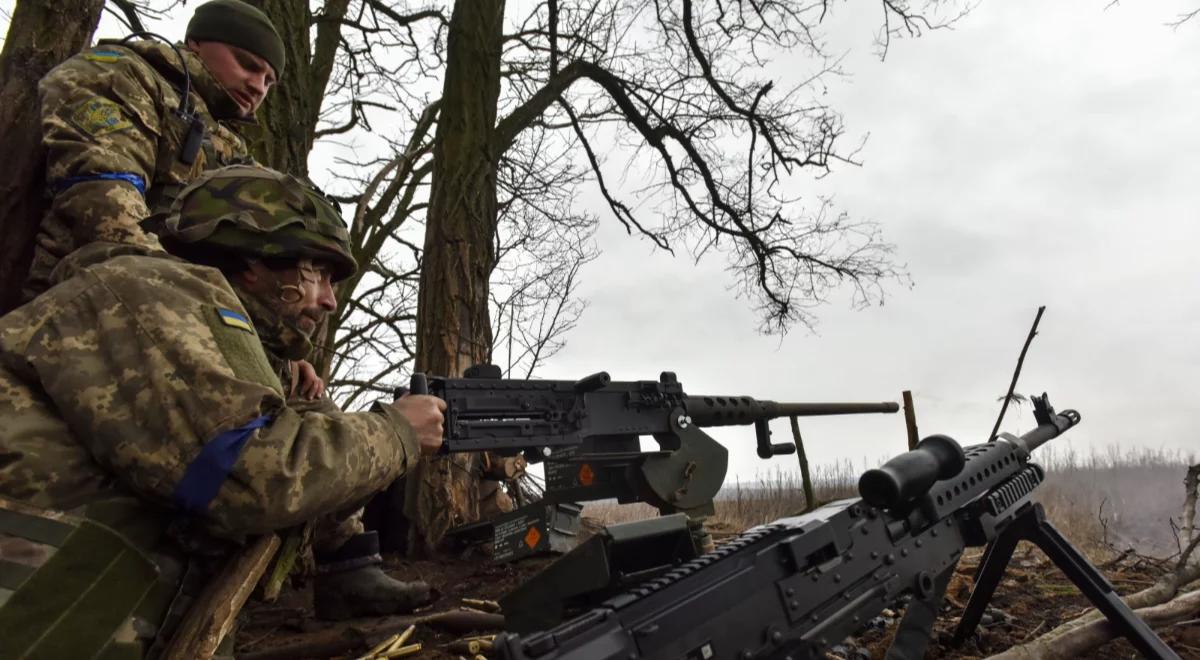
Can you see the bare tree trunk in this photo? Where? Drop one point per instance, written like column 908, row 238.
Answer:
column 287, row 121
column 40, row 36
column 453, row 329
column 1191, row 490
column 283, row 137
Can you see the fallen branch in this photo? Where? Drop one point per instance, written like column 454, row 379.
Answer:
column 1112, row 563
column 215, row 610
column 1079, row 641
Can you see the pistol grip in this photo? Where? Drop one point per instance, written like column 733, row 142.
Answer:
column 418, row 384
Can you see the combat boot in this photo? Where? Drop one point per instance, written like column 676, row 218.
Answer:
column 350, row 583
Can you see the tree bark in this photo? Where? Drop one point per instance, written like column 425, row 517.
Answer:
column 453, row 327
column 40, row 36
column 1191, row 490
column 287, row 121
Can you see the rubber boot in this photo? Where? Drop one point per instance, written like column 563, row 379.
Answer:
column 351, row 584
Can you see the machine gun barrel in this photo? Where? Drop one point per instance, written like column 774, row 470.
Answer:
column 739, row 410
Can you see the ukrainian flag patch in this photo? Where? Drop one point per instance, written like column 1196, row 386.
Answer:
column 235, row 319
column 107, row 56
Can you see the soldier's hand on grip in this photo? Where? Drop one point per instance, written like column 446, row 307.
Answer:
column 424, row 413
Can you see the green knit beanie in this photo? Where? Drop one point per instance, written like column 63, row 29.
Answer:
column 238, row 24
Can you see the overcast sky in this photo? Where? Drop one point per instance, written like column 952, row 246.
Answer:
column 1036, row 154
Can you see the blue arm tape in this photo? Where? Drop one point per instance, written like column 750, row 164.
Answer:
column 128, row 177
column 205, row 474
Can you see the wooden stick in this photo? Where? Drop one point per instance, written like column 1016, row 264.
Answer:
column 281, row 568
column 212, row 616
column 910, row 420
column 810, row 501
column 1016, row 374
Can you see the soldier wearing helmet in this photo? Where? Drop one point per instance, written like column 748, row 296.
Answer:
column 150, row 386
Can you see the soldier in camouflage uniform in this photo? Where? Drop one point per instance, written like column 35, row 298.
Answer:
column 199, row 230
column 153, row 382
column 121, row 136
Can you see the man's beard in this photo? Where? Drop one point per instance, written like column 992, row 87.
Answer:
column 307, row 322
column 277, row 327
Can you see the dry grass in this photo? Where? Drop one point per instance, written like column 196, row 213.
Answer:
column 1105, row 499
column 1116, row 498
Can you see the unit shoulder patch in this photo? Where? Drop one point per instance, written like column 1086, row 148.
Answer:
column 243, row 351
column 99, row 116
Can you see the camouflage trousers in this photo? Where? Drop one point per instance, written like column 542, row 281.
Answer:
column 331, row 532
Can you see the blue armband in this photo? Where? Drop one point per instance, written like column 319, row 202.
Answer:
column 204, row 475
column 128, row 177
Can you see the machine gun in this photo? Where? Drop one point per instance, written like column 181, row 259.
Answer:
column 587, row 431
column 795, row 587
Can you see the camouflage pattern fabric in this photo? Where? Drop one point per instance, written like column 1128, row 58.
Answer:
column 259, row 212
column 329, row 532
column 108, row 120
column 116, row 380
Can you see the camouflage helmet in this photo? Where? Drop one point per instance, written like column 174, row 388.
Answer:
column 258, row 212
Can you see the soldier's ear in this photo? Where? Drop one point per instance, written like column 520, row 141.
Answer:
column 249, row 275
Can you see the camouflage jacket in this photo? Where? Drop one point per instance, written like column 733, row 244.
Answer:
column 113, row 138
column 144, row 375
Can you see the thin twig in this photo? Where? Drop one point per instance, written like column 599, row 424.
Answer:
column 1016, row 374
